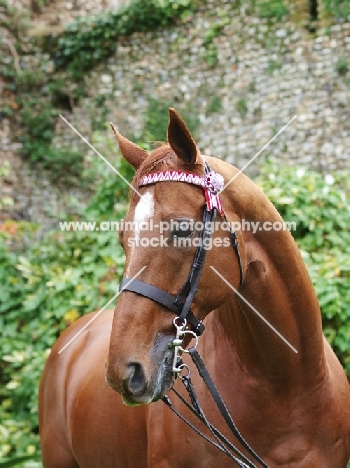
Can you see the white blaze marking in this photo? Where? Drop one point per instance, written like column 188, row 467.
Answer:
column 143, row 212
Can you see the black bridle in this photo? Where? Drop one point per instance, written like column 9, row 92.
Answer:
column 181, row 304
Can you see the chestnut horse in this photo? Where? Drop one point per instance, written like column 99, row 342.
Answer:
column 289, row 397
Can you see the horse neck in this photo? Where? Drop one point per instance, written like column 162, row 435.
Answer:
column 277, row 284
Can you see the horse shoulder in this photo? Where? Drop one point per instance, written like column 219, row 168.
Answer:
column 77, row 406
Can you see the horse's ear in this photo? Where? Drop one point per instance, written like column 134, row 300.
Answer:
column 130, row 151
column 180, row 139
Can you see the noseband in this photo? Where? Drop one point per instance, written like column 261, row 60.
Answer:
column 212, row 183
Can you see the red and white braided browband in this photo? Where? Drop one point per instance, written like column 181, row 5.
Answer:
column 212, row 183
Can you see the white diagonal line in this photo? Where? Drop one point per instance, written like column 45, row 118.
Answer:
column 100, row 155
column 99, row 312
column 259, row 152
column 254, row 310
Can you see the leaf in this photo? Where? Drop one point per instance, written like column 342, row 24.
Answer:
column 9, row 462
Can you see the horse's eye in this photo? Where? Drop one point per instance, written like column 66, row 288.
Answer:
column 182, row 229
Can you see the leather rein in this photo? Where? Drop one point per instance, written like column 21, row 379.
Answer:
column 180, row 304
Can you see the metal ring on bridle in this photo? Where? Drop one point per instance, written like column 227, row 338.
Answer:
column 184, row 322
column 183, row 366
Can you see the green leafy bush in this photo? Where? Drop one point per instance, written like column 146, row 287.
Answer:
column 38, row 5
column 33, row 97
column 271, row 9
column 338, row 8
column 110, row 191
column 320, row 207
column 214, row 105
column 87, row 41
column 4, row 171
column 342, row 66
column 242, row 106
column 38, row 119
column 65, row 276
column 211, row 53
column 42, row 291
column 24, row 461
column 156, row 120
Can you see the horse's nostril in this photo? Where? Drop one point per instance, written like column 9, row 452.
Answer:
column 135, row 383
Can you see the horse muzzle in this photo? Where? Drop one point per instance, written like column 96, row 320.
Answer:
column 142, row 381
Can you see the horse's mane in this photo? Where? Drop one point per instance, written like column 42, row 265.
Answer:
column 158, row 157
column 161, row 156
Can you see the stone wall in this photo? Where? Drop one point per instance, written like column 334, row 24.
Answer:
column 264, row 75
column 245, row 79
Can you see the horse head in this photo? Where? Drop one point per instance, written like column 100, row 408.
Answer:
column 160, row 236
